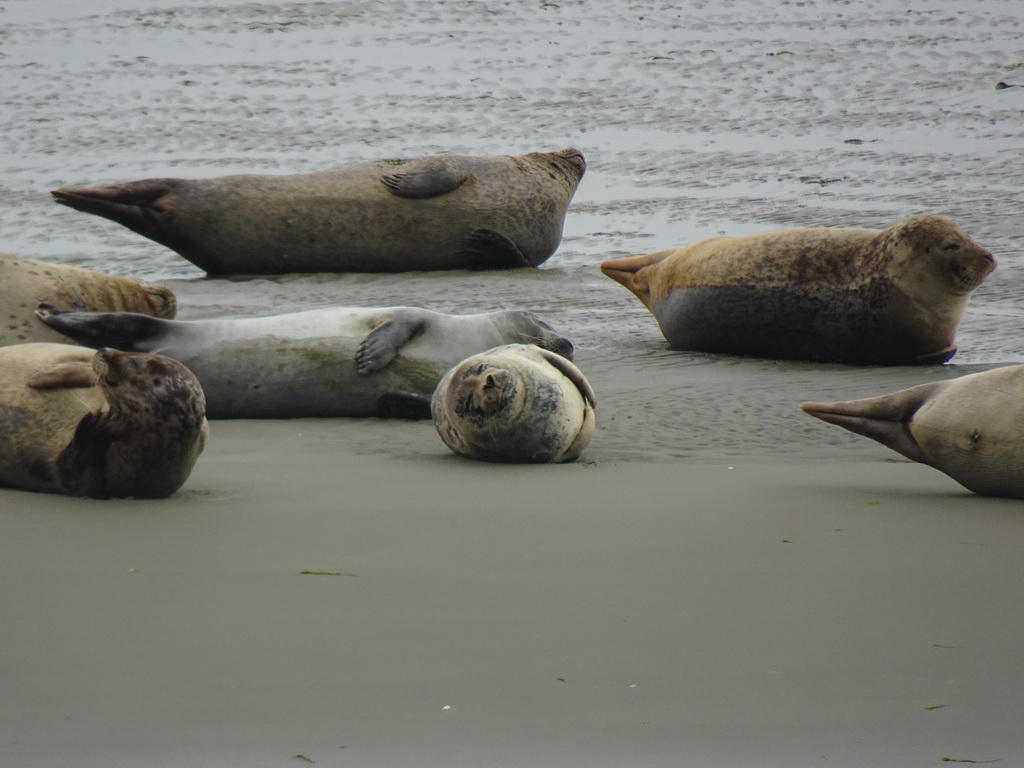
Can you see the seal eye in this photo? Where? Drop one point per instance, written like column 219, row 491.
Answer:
column 157, row 382
column 950, row 247
column 134, row 363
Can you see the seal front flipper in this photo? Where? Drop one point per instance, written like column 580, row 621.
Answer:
column 70, row 375
column 426, row 177
column 81, row 466
column 384, row 342
column 120, row 330
column 403, row 405
column 489, row 249
column 142, row 206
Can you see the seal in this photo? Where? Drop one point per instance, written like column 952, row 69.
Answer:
column 99, row 424
column 971, row 428
column 24, row 283
column 893, row 296
column 443, row 212
column 336, row 361
column 515, row 403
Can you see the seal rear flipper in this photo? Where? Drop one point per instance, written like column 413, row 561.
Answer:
column 120, row 330
column 403, row 405
column 81, row 466
column 139, row 205
column 426, row 177
column 886, row 418
column 489, row 249
column 628, row 273
column 70, row 375
column 384, row 342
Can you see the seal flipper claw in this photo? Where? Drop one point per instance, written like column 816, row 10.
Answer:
column 429, row 177
column 489, row 249
column 403, row 405
column 384, row 342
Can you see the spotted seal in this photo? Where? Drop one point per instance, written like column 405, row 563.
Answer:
column 893, row 296
column 971, row 428
column 100, row 424
column 515, row 403
column 336, row 361
column 24, row 283
column 442, row 212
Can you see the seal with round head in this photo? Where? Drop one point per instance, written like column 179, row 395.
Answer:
column 99, row 424
column 443, row 212
column 971, row 428
column 862, row 296
column 517, row 404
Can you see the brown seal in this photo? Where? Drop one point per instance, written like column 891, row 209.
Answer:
column 515, row 403
column 25, row 283
column 971, row 428
column 893, row 296
column 444, row 212
column 98, row 424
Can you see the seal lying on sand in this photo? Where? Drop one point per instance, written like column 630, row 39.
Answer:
column 971, row 428
column 863, row 296
column 339, row 361
column 100, row 424
column 24, row 283
column 444, row 212
column 515, row 403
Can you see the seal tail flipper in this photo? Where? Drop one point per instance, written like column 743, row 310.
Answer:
column 628, row 272
column 121, row 330
column 886, row 418
column 137, row 205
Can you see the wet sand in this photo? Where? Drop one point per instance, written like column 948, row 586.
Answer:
column 721, row 581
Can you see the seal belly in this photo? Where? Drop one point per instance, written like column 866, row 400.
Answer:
column 789, row 323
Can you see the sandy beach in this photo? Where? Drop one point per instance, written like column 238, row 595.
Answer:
column 721, row 580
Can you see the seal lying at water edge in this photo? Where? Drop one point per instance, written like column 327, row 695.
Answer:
column 971, row 428
column 24, row 283
column 893, row 296
column 99, row 424
column 337, row 361
column 515, row 403
column 443, row 212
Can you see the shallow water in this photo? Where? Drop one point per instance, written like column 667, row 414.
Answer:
column 725, row 117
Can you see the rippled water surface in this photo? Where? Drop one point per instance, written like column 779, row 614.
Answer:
column 697, row 118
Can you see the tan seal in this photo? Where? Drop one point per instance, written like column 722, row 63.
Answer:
column 890, row 296
column 443, row 212
column 971, row 428
column 99, row 424
column 25, row 283
column 515, row 403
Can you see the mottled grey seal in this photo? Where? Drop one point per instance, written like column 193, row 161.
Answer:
column 443, row 212
column 99, row 424
column 337, row 361
column 24, row 283
column 862, row 296
column 971, row 428
column 515, row 403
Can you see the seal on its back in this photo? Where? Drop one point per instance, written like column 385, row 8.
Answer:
column 971, row 428
column 338, row 361
column 98, row 424
column 862, row 296
column 517, row 404
column 444, row 212
column 24, row 283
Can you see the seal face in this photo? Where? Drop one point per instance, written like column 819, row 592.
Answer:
column 24, row 283
column 517, row 404
column 337, row 361
column 861, row 296
column 97, row 424
column 971, row 428
column 444, row 212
